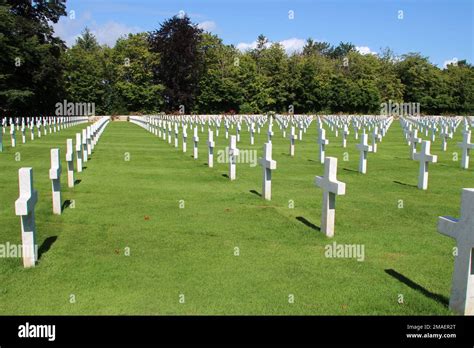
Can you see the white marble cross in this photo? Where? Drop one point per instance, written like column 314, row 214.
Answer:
column 55, row 176
column 445, row 134
column 345, row 133
column 89, row 141
column 462, row 230
column 233, row 153
column 239, row 127
column 331, row 187
column 12, row 134
column 376, row 137
column 466, row 147
column 169, row 132
column 1, row 139
column 25, row 207
column 211, row 144
column 252, row 133
column 185, row 136
column 176, row 133
column 363, row 148
column 293, row 137
column 79, row 152
column 70, row 163
column 413, row 141
column 424, row 157
column 196, row 141
column 84, row 146
column 268, row 164
column 23, row 132
column 32, row 131
column 322, row 141
column 270, row 131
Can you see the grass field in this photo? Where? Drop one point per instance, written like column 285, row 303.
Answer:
column 189, row 251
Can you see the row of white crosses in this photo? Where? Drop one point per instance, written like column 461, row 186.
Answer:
column 267, row 163
column 358, row 123
column 411, row 126
column 25, row 204
column 462, row 294
column 53, row 124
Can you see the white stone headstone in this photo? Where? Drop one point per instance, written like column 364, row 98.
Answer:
column 55, row 176
column 466, row 147
column 13, row 135
column 25, row 207
column 70, row 163
column 89, row 141
column 331, row 188
column 414, row 140
column 363, row 148
column 462, row 289
column 79, row 152
column 322, row 141
column 233, row 153
column 211, row 144
column 196, row 141
column 84, row 146
column 268, row 164
column 424, row 157
column 293, row 138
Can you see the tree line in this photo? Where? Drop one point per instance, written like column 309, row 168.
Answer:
column 181, row 68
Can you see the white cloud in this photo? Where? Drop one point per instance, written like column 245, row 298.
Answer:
column 207, row 25
column 293, row 45
column 364, row 50
column 289, row 45
column 450, row 61
column 107, row 33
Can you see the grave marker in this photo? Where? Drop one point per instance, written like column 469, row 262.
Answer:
column 331, row 187
column 233, row 153
column 268, row 164
column 466, row 147
column 25, row 207
column 210, row 144
column 79, row 152
column 55, row 176
column 424, row 157
column 363, row 148
column 461, row 300
column 70, row 163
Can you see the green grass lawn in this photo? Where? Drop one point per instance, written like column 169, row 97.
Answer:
column 190, row 251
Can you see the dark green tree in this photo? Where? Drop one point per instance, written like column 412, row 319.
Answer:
column 31, row 72
column 177, row 42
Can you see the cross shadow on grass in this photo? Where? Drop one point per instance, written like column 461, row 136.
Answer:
column 225, row 175
column 350, row 170
column 255, row 193
column 415, row 286
column 67, row 203
column 48, row 242
column 308, row 223
column 404, row 184
column 77, row 182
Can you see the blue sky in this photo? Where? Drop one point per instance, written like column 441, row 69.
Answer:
column 443, row 30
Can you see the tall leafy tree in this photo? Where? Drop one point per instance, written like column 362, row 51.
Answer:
column 177, row 41
column 31, row 72
column 133, row 86
column 87, row 80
